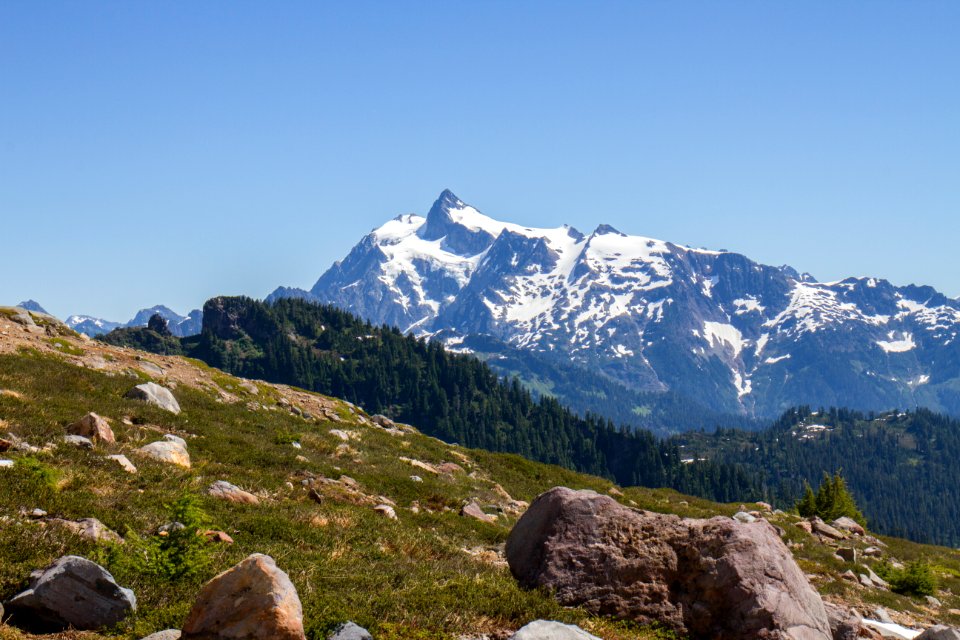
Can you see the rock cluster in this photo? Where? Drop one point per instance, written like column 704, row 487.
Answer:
column 715, row 578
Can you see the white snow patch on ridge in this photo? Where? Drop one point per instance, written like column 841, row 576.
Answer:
column 894, row 345
column 718, row 334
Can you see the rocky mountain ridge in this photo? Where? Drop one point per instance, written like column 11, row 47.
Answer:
column 736, row 335
column 181, row 326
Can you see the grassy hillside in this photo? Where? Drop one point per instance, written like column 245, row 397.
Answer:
column 432, row 573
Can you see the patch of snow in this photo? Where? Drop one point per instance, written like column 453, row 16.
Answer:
column 892, row 630
column 777, row 359
column 897, row 345
column 718, row 334
column 748, row 305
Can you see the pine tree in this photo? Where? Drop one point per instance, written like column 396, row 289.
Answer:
column 807, row 505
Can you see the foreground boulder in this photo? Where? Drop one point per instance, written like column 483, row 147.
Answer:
column 939, row 632
column 715, row 578
column 152, row 393
column 72, row 592
column 845, row 624
column 93, row 427
column 254, row 600
column 550, row 630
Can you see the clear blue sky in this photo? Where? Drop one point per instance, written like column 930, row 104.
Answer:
column 165, row 152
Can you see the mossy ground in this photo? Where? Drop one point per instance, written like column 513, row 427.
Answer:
column 409, row 578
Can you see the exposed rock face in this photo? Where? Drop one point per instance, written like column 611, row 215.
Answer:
column 845, row 624
column 152, row 393
column 170, row 450
column 93, row 427
column 254, row 600
column 550, row 630
column 715, row 578
column 350, row 631
column 232, row 493
column 72, row 592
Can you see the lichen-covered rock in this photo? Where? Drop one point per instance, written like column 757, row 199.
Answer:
column 254, row 600
column 152, row 393
column 93, row 427
column 715, row 578
column 232, row 493
column 550, row 630
column 169, row 451
column 72, row 592
column 350, row 631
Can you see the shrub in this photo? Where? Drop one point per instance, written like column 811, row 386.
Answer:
column 916, row 578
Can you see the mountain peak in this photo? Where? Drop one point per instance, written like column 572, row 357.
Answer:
column 606, row 230
column 32, row 305
column 438, row 218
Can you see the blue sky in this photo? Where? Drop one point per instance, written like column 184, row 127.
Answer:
column 166, row 152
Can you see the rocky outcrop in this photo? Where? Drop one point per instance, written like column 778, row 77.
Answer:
column 152, row 393
column 845, row 624
column 254, row 600
column 72, row 592
column 93, row 427
column 939, row 632
column 550, row 630
column 231, row 493
column 715, row 578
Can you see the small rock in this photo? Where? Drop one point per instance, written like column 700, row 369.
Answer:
column 214, row 535
column 6, row 464
column 850, row 525
column 94, row 427
column 806, row 526
column 383, row 421
column 154, row 394
column 316, row 496
column 72, row 592
column 847, row 554
column 78, row 441
column 254, row 600
column 822, row 528
column 36, row 514
column 416, row 478
column 167, row 634
column 473, row 510
column 765, row 506
column 350, row 631
column 89, row 528
column 932, row 602
column 873, row 552
column 882, row 616
column 232, row 493
column 743, row 516
column 167, row 451
column 550, row 630
column 151, row 368
column 339, row 433
column 249, row 387
column 449, row 468
column 386, row 510
column 296, row 445
column 875, row 579
column 124, row 462
column 5, row 445
column 849, row 575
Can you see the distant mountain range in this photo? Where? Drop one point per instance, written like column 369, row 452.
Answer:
column 179, row 325
column 735, row 335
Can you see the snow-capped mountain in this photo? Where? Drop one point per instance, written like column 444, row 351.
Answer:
column 179, row 325
column 711, row 325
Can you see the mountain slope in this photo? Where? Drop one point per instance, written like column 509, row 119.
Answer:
column 431, row 573
column 713, row 325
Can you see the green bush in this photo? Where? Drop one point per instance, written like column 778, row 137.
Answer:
column 175, row 554
column 916, row 578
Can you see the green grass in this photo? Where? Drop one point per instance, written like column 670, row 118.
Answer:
column 402, row 579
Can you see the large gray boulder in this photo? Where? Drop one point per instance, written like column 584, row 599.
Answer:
column 254, row 600
column 716, row 578
column 350, row 631
column 152, row 393
column 166, row 634
column 72, row 592
column 939, row 632
column 550, row 630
